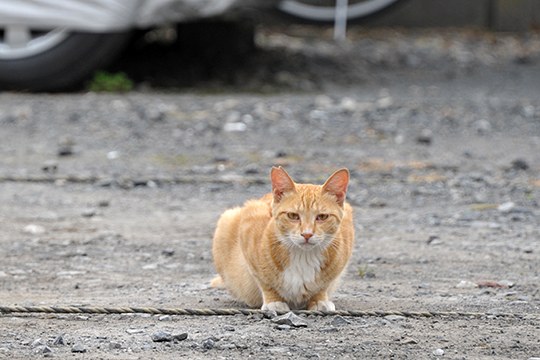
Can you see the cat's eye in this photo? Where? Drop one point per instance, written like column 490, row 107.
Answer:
column 293, row 216
column 322, row 217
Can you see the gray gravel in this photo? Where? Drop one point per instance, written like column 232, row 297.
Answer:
column 444, row 150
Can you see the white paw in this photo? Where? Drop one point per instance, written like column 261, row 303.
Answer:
column 276, row 306
column 323, row 305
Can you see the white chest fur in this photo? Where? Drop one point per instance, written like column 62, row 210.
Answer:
column 299, row 277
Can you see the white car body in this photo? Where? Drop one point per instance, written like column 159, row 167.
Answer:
column 112, row 15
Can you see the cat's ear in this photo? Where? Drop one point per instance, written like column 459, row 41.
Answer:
column 336, row 185
column 281, row 183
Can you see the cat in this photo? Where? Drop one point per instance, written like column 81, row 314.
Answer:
column 288, row 249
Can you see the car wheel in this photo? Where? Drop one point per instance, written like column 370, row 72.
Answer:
column 53, row 60
column 324, row 10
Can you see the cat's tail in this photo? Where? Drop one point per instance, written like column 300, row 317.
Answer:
column 217, row 282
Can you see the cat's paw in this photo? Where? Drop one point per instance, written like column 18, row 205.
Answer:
column 277, row 306
column 323, row 305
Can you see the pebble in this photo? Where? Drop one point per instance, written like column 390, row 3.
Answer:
column 290, row 319
column 235, row 127
column 65, row 150
column 59, row 340
column 162, row 336
column 519, row 164
column 465, row 284
column 283, row 327
column 78, row 348
column 409, row 341
column 208, row 344
column 425, row 137
column 44, row 350
column 34, row 229
column 270, row 314
column 506, row 207
column 50, row 166
column 88, row 213
column 180, row 337
column 434, row 240
column 134, row 331
column 328, row 329
column 115, row 345
column 37, row 342
column 229, row 328
column 339, row 321
column 438, row 352
column 113, row 155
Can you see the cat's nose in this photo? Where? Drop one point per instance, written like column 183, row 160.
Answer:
column 307, row 235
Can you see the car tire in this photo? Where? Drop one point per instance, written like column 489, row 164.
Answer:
column 325, row 14
column 63, row 66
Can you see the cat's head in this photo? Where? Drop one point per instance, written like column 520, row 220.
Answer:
column 308, row 216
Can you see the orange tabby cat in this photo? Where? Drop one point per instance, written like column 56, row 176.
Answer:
column 289, row 248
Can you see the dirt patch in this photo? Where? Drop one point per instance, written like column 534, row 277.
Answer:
column 444, row 187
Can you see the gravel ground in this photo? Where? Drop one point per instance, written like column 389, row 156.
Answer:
column 111, row 200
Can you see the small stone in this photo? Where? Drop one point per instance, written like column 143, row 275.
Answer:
column 34, row 229
column 229, row 328
column 328, row 329
column 434, row 240
column 270, row 314
column 180, row 337
column 208, row 344
column 256, row 316
column 394, row 317
column 113, row 345
column 113, row 155
column 59, row 340
column 165, row 318
column 438, row 352
column 45, row 350
column 65, row 150
column 88, row 213
column 156, row 114
column 167, row 252
column 134, row 331
column 78, row 348
column 482, row 126
column 348, row 104
column 50, row 167
column 252, row 169
column 235, row 127
column 425, row 137
column 506, row 207
column 162, row 336
column 519, row 164
column 37, row 342
column 465, row 284
column 290, row 319
column 283, row 327
column 104, row 203
column 409, row 341
column 385, row 102
column 339, row 321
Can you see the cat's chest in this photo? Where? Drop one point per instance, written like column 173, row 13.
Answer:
column 299, row 278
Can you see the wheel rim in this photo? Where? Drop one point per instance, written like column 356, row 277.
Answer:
column 19, row 41
column 319, row 11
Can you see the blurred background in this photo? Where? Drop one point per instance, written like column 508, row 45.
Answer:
column 61, row 45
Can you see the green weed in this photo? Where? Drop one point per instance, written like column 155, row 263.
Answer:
column 108, row 82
